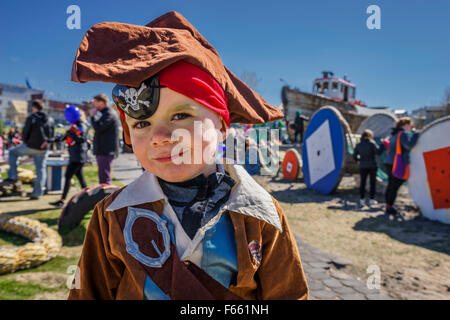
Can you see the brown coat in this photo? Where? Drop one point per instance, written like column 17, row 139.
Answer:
column 107, row 271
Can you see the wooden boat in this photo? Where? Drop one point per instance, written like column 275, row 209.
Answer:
column 327, row 91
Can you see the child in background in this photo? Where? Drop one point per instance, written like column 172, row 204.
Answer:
column 365, row 152
column 77, row 143
column 189, row 229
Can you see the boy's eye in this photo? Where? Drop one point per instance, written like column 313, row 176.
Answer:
column 181, row 116
column 141, row 124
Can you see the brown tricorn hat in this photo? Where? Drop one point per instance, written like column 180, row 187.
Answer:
column 129, row 54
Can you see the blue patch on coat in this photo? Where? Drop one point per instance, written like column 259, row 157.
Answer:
column 219, row 258
column 219, row 252
column 152, row 291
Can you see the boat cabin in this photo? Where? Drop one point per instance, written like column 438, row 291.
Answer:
column 335, row 88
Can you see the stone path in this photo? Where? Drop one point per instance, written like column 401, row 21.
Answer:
column 325, row 283
column 126, row 168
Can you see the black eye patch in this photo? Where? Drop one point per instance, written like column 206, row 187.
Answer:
column 138, row 103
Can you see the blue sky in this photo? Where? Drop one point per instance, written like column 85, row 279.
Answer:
column 405, row 64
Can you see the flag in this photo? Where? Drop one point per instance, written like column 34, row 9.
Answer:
column 28, row 83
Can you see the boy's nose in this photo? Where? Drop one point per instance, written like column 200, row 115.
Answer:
column 161, row 136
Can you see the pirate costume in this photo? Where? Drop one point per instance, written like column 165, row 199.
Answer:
column 220, row 236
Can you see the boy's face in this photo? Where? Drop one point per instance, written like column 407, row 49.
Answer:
column 155, row 143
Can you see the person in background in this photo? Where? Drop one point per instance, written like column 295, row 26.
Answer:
column 106, row 137
column 408, row 139
column 13, row 137
column 252, row 162
column 59, row 140
column 299, row 125
column 76, row 139
column 37, row 134
column 365, row 152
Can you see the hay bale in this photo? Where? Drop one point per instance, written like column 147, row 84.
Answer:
column 46, row 244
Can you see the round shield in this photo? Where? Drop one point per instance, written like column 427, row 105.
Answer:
column 292, row 164
column 323, row 150
column 429, row 178
column 380, row 124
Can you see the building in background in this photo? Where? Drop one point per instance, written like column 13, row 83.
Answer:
column 12, row 99
column 426, row 115
column 17, row 111
column 15, row 104
column 56, row 109
column 399, row 113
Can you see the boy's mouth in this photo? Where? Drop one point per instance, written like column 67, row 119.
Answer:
column 168, row 157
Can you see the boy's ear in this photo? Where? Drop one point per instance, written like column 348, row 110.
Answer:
column 223, row 130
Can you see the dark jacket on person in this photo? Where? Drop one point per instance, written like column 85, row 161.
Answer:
column 299, row 122
column 106, row 137
column 39, row 128
column 407, row 142
column 367, row 150
column 78, row 151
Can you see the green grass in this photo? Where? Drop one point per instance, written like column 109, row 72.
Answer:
column 15, row 290
column 7, row 238
column 57, row 264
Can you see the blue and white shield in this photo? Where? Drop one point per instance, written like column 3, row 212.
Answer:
column 323, row 151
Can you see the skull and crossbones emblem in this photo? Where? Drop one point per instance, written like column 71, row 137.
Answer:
column 131, row 96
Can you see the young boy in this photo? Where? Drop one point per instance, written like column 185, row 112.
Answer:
column 188, row 227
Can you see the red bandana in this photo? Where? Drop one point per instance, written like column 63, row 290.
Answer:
column 197, row 84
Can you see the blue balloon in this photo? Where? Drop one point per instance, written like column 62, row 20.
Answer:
column 72, row 113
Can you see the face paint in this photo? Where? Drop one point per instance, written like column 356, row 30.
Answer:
column 138, row 103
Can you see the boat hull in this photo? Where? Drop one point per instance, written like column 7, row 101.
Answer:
column 307, row 103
